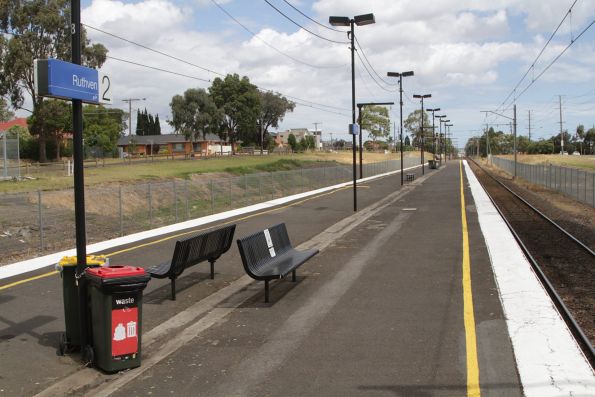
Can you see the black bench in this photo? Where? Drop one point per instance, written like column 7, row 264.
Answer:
column 193, row 250
column 268, row 255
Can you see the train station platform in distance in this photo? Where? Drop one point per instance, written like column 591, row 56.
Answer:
column 422, row 292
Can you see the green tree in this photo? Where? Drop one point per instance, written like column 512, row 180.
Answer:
column 102, row 127
column 157, row 129
column 590, row 140
column 376, row 121
column 36, row 29
column 195, row 114
column 239, row 103
column 412, row 124
column 292, row 142
column 407, row 141
column 52, row 118
column 5, row 113
column 273, row 108
column 307, row 143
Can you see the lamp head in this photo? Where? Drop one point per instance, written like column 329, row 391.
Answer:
column 339, row 21
column 364, row 19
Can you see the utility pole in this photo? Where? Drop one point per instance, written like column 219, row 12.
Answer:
column 130, row 100
column 514, row 132
column 529, row 125
column 316, row 132
column 561, row 132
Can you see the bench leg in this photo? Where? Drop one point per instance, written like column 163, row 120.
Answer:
column 266, row 291
column 293, row 276
column 173, row 289
column 212, row 269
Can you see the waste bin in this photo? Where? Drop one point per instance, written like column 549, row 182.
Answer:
column 432, row 164
column 116, row 294
column 67, row 267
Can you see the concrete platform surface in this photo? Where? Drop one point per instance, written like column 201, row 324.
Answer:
column 383, row 310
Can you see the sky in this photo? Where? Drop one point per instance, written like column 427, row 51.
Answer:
column 468, row 54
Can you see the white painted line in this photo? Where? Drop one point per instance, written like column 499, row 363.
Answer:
column 549, row 361
column 15, row 269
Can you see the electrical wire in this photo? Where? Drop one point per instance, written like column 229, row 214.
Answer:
column 152, row 49
column 270, row 45
column 301, row 27
column 156, row 68
column 313, row 20
column 370, row 74
column 553, row 61
column 372, row 67
column 538, row 56
column 200, row 67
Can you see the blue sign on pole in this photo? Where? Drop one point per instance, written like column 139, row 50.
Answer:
column 59, row 79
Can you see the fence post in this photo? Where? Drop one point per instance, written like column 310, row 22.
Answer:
column 259, row 188
column 245, row 189
column 230, row 193
column 150, row 207
column 120, row 209
column 302, row 178
column 272, row 186
column 187, row 201
column 40, row 216
column 175, row 199
column 212, row 198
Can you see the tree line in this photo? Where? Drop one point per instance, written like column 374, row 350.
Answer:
column 232, row 108
column 582, row 141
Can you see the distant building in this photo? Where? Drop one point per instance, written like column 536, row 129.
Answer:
column 21, row 122
column 148, row 145
column 299, row 133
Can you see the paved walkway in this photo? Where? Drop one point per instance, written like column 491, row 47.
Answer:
column 383, row 310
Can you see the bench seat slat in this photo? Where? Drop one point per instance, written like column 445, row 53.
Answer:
column 192, row 250
column 283, row 264
column 261, row 263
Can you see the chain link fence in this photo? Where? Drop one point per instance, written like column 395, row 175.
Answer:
column 43, row 221
column 9, row 157
column 575, row 183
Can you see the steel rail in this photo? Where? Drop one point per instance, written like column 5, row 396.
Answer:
column 574, row 327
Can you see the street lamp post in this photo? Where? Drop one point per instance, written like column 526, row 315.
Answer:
column 359, row 121
column 448, row 135
column 433, row 130
column 440, row 136
column 359, row 20
column 422, row 128
column 444, row 140
column 400, row 76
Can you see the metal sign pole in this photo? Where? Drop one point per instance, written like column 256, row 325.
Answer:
column 79, row 183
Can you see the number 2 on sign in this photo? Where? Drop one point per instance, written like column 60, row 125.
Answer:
column 105, row 89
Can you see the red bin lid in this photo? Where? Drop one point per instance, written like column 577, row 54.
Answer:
column 115, row 271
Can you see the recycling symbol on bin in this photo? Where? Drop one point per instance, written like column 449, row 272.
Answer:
column 122, row 332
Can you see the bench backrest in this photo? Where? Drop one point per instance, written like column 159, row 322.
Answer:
column 255, row 251
column 209, row 245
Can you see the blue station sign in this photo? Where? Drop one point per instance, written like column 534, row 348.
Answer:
column 59, row 79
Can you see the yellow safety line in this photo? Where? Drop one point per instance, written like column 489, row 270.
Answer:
column 111, row 254
column 27, row 280
column 473, row 388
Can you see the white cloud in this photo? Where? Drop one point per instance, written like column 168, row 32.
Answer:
column 456, row 48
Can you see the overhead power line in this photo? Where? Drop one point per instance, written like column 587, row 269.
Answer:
column 553, row 61
column 372, row 76
column 199, row 67
column 301, row 27
column 152, row 49
column 372, row 67
column 158, row 69
column 270, row 45
column 313, row 20
column 532, row 67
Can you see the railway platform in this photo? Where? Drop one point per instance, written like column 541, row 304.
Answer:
column 422, row 292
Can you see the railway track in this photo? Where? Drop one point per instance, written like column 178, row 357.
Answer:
column 565, row 265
